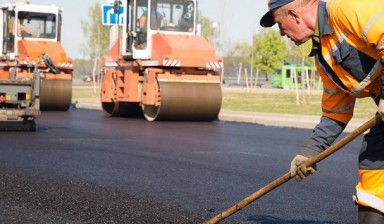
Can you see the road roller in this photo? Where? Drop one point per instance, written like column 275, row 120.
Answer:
column 28, row 32
column 159, row 68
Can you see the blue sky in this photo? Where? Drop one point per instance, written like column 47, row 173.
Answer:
column 238, row 19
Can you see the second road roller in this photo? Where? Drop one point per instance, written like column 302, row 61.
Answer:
column 159, row 67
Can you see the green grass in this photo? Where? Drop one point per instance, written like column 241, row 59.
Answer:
column 286, row 102
column 261, row 100
column 270, row 102
column 85, row 92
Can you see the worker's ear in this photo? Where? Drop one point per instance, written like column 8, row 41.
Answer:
column 294, row 15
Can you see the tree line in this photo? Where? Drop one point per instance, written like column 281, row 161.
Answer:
column 266, row 53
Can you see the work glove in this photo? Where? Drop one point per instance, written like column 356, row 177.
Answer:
column 380, row 109
column 298, row 170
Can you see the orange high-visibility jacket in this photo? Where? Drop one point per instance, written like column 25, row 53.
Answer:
column 350, row 64
column 352, row 48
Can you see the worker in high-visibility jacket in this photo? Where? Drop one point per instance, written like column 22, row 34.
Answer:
column 157, row 19
column 348, row 46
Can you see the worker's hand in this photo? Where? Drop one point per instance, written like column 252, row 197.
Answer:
column 298, row 170
column 380, row 109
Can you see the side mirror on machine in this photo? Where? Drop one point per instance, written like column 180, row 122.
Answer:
column 116, row 6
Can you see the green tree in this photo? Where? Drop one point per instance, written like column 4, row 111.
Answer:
column 210, row 29
column 82, row 67
column 96, row 35
column 300, row 53
column 269, row 51
column 239, row 53
column 237, row 57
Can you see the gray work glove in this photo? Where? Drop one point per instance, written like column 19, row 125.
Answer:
column 298, row 170
column 380, row 109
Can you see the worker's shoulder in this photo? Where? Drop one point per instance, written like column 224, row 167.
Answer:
column 349, row 7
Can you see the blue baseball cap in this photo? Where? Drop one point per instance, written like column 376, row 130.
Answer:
column 267, row 20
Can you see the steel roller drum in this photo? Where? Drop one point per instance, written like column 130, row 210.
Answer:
column 55, row 94
column 188, row 101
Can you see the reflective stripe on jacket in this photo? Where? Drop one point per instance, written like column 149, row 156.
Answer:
column 370, row 190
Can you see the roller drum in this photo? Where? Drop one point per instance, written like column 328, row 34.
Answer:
column 186, row 101
column 55, row 94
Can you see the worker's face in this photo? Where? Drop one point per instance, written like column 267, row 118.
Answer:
column 291, row 25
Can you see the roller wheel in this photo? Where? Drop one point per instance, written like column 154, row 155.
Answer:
column 150, row 112
column 186, row 101
column 55, row 94
column 108, row 109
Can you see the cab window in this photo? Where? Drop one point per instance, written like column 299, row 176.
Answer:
column 36, row 25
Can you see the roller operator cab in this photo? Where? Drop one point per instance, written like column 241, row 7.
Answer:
column 28, row 32
column 158, row 67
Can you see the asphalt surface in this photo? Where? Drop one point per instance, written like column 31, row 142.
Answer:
column 60, row 174
column 81, row 167
column 32, row 199
column 49, row 176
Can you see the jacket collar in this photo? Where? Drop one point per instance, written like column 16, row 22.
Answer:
column 322, row 18
column 322, row 27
